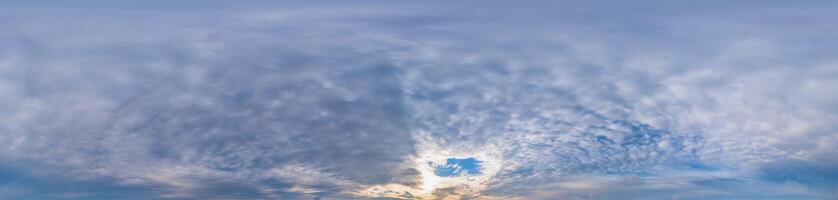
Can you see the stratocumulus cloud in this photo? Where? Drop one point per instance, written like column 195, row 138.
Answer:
column 406, row 100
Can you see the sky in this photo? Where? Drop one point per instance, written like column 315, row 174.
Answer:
column 476, row 100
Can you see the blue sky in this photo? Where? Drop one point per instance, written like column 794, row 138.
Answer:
column 418, row 100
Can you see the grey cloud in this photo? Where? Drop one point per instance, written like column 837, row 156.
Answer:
column 316, row 100
column 126, row 108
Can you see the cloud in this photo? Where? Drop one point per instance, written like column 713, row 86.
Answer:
column 337, row 101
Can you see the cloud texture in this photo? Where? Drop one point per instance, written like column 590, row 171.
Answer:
column 561, row 100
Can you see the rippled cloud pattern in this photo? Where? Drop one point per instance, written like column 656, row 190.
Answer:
column 418, row 100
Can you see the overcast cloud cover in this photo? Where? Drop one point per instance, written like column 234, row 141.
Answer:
column 407, row 100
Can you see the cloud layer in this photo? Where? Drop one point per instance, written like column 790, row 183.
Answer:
column 263, row 100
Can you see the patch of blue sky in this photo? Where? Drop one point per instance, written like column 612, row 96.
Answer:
column 458, row 167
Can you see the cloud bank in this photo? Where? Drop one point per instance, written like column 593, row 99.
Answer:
column 388, row 100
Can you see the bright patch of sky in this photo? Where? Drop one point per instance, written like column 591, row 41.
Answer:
column 458, row 167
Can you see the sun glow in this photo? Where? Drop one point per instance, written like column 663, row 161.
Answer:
column 430, row 156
